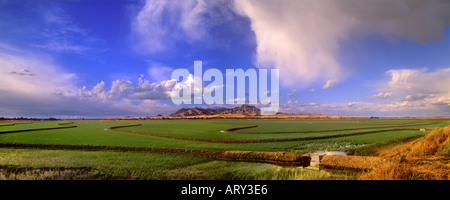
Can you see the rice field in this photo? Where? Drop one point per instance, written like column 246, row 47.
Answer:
column 189, row 149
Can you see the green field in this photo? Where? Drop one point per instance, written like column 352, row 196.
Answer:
column 167, row 149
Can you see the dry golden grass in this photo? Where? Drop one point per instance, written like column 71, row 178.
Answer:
column 389, row 171
column 351, row 162
column 432, row 144
column 427, row 158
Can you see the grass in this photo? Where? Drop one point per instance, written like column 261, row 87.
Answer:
column 432, row 144
column 427, row 158
column 105, row 164
column 93, row 133
column 67, row 165
column 26, row 125
column 279, row 126
column 266, row 129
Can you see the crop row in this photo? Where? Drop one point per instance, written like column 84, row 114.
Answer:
column 7, row 124
column 116, row 128
column 251, row 156
column 61, row 126
column 234, row 130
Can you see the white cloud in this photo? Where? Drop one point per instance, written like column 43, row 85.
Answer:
column 293, row 93
column 351, row 104
column 33, row 85
column 124, row 89
column 25, row 73
column 407, row 92
column 414, row 97
column 145, row 90
column 330, row 83
column 421, row 81
column 367, row 109
column 120, row 88
column 380, row 95
column 428, row 87
column 301, row 37
column 416, row 90
column 154, row 91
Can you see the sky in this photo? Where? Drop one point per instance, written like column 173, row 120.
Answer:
column 99, row 58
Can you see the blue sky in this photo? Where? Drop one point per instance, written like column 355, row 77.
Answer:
column 99, row 58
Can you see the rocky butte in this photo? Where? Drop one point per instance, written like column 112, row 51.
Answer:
column 245, row 109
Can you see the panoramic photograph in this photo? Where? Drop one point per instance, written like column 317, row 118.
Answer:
column 235, row 90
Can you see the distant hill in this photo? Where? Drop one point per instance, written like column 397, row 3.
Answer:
column 243, row 110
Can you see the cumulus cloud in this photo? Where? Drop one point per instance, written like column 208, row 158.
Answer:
column 124, row 89
column 351, row 104
column 330, row 83
column 380, row 95
column 301, row 37
column 33, row 85
column 293, row 93
column 429, row 87
column 367, row 109
column 417, row 81
column 406, row 92
column 414, row 97
column 416, row 90
column 155, row 91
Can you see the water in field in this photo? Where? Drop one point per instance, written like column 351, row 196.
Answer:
column 330, row 153
column 315, row 157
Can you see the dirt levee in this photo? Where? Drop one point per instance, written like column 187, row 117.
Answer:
column 352, row 162
column 255, row 155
